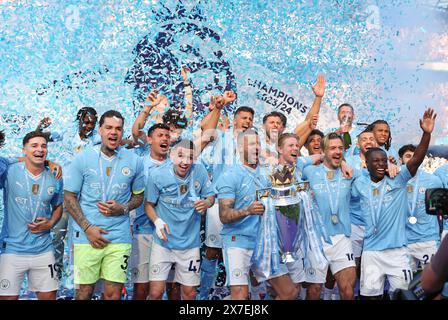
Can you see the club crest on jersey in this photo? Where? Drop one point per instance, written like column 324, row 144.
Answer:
column 388, row 188
column 35, row 188
column 183, row 188
column 197, row 184
column 126, row 171
column 422, row 190
column 50, row 191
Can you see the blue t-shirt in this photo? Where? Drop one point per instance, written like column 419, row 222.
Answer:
column 331, row 192
column 27, row 197
column 391, row 220
column 122, row 174
column 174, row 197
column 142, row 224
column 427, row 226
column 301, row 163
column 220, row 155
column 241, row 183
column 355, row 163
column 442, row 173
column 391, row 152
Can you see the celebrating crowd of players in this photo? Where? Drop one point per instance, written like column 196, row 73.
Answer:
column 137, row 204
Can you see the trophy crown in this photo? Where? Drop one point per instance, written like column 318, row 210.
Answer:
column 283, row 176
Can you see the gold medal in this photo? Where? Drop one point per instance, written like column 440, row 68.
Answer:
column 330, row 175
column 183, row 188
column 35, row 189
column 108, row 170
column 376, row 192
column 334, row 219
column 410, row 189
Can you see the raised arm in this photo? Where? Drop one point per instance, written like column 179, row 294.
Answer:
column 188, row 112
column 303, row 129
column 427, row 124
column 152, row 101
column 227, row 213
column 45, row 123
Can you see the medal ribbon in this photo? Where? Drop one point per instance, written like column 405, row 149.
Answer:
column 413, row 204
column 30, row 192
column 333, row 208
column 105, row 190
column 376, row 214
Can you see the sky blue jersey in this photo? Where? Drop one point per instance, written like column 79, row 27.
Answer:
column 331, row 194
column 384, row 206
column 27, row 197
column 427, row 226
column 241, row 183
column 95, row 177
column 174, row 197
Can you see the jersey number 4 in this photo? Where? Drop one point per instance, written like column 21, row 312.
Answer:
column 194, row 268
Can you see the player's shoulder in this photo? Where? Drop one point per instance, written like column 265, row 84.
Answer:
column 200, row 168
column 442, row 170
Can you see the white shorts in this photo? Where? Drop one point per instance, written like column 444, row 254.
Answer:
column 357, row 238
column 40, row 268
column 296, row 271
column 340, row 253
column 139, row 262
column 421, row 253
column 213, row 227
column 377, row 265
column 238, row 264
column 187, row 264
column 312, row 274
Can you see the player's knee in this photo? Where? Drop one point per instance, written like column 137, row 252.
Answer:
column 189, row 293
column 289, row 293
column 114, row 295
column 239, row 292
column 155, row 294
column 346, row 292
column 313, row 292
column 47, row 295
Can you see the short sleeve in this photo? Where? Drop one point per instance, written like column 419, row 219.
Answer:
column 74, row 175
column 151, row 191
column 225, row 187
column 138, row 185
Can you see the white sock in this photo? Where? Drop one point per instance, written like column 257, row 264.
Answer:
column 302, row 293
column 327, row 293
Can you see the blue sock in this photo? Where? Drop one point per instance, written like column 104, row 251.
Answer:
column 208, row 277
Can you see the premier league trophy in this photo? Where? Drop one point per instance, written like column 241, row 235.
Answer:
column 285, row 195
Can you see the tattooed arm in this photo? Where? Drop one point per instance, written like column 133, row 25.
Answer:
column 228, row 214
column 72, row 204
column 93, row 233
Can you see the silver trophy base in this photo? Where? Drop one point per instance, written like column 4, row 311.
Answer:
column 287, row 257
